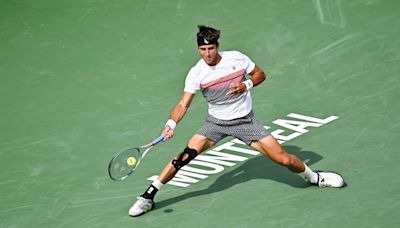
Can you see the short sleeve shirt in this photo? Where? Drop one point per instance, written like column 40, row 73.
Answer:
column 214, row 81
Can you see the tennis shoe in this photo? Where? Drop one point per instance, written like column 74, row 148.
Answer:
column 329, row 179
column 141, row 206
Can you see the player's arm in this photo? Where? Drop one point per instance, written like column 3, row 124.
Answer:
column 177, row 113
column 256, row 77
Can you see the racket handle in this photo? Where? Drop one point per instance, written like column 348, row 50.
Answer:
column 158, row 140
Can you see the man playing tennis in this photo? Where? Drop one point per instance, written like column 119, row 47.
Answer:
column 220, row 76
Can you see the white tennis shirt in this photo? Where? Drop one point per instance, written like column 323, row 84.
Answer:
column 214, row 81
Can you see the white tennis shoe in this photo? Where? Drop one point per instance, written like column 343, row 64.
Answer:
column 141, row 206
column 329, row 179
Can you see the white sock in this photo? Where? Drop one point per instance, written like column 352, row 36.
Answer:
column 157, row 184
column 310, row 175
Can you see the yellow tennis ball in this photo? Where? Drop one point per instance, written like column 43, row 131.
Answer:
column 131, row 161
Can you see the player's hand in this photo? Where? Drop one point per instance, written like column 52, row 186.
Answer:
column 236, row 88
column 167, row 132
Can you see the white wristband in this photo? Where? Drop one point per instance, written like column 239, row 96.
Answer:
column 249, row 84
column 171, row 124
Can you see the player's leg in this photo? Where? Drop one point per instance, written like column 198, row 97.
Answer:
column 196, row 145
column 269, row 147
column 272, row 149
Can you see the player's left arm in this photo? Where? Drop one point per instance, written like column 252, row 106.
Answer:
column 257, row 76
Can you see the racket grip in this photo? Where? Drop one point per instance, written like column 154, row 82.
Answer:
column 158, row 140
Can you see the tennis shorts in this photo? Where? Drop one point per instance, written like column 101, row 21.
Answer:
column 246, row 129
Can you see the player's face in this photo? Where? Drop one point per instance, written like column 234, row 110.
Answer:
column 209, row 53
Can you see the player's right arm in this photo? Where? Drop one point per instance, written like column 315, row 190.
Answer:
column 177, row 113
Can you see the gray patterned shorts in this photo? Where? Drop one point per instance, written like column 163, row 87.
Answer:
column 246, row 129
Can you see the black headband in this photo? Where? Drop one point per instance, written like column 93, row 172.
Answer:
column 204, row 41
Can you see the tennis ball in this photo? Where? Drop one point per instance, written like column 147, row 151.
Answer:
column 131, row 161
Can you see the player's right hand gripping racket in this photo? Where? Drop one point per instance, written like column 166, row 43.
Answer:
column 125, row 162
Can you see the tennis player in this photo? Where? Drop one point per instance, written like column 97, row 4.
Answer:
column 220, row 76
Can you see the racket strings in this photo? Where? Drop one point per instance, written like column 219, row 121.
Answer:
column 122, row 164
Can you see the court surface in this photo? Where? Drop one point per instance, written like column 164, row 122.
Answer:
column 80, row 80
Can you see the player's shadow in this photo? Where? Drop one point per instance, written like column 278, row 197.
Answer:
column 258, row 167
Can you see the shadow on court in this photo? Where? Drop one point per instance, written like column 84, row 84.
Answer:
column 258, row 167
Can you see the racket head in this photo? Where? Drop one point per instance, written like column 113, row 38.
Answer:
column 120, row 167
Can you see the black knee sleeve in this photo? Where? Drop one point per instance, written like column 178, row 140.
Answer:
column 179, row 162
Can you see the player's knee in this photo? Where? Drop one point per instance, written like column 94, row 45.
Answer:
column 184, row 158
column 284, row 160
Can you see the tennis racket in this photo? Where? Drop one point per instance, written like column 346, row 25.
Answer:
column 125, row 162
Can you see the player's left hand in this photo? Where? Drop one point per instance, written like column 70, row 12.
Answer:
column 236, row 88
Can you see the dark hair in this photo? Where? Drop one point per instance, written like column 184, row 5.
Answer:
column 207, row 35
